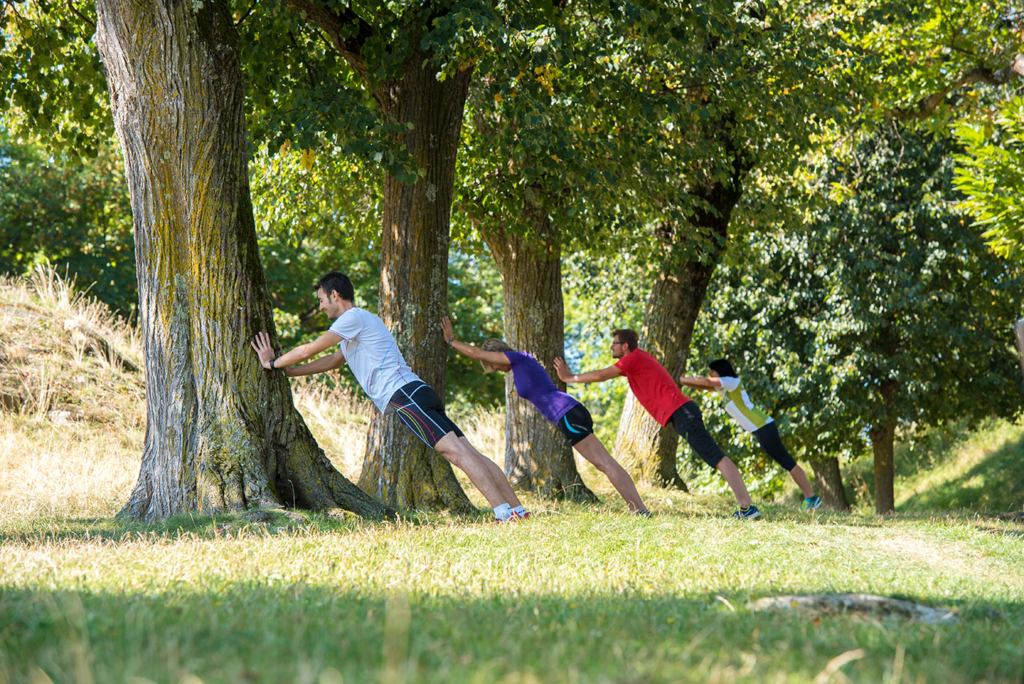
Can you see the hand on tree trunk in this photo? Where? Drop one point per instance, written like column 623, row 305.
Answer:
column 562, row 368
column 263, row 349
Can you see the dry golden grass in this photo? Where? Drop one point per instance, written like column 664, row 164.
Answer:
column 71, row 419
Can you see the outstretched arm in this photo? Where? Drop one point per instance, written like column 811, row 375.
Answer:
column 468, row 349
column 301, row 353
column 321, row 365
column 709, row 384
column 567, row 376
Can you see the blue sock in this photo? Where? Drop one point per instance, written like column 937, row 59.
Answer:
column 503, row 512
column 519, row 510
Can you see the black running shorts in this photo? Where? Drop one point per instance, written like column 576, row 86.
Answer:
column 419, row 407
column 576, row 424
column 689, row 423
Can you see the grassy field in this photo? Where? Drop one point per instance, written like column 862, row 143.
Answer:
column 576, row 594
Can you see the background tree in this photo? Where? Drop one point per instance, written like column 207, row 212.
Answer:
column 760, row 312
column 932, row 60
column 384, row 65
column 548, row 168
column 752, row 84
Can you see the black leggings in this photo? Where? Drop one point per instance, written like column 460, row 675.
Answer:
column 770, row 441
column 689, row 423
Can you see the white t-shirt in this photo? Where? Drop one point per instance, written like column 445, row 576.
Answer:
column 372, row 353
column 739, row 406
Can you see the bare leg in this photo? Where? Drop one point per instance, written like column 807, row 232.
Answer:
column 801, row 480
column 732, row 475
column 499, row 477
column 463, row 456
column 594, row 451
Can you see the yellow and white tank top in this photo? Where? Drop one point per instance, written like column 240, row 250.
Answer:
column 739, row 406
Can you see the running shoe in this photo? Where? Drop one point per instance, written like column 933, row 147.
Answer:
column 643, row 514
column 516, row 516
column 812, row 503
column 748, row 514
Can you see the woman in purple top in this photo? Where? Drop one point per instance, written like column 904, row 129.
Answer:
column 535, row 386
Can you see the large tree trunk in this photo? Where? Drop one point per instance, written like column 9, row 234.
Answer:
column 222, row 432
column 646, row 449
column 537, row 456
column 399, row 469
column 829, row 480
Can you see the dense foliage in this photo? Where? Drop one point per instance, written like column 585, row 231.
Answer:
column 885, row 308
column 73, row 215
column 990, row 175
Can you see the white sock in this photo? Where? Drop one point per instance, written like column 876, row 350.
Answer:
column 519, row 510
column 503, row 512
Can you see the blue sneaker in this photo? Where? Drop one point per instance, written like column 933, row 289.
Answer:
column 748, row 514
column 812, row 503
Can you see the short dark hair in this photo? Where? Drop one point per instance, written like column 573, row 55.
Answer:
column 627, row 336
column 723, row 368
column 337, row 282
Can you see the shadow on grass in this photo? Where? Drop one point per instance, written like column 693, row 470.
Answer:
column 118, row 529
column 1018, row 533
column 261, row 522
column 288, row 632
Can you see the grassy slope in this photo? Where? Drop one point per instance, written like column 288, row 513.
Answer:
column 981, row 470
column 576, row 594
column 955, row 469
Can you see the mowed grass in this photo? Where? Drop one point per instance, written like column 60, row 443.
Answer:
column 573, row 595
column 576, row 594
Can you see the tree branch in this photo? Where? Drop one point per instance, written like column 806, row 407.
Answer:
column 81, row 16
column 926, row 106
column 332, row 22
column 245, row 16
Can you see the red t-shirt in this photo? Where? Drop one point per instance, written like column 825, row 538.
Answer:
column 652, row 385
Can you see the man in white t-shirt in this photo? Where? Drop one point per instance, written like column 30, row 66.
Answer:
column 373, row 356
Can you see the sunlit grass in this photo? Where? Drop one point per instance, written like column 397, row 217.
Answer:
column 576, row 594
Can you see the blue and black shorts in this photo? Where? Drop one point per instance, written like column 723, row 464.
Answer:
column 576, row 424
column 422, row 411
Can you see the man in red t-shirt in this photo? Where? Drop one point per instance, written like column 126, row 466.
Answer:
column 657, row 392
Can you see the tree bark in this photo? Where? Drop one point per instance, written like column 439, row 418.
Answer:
column 829, row 480
column 222, row 432
column 644, row 448
column 883, row 440
column 537, row 456
column 399, row 469
column 882, row 444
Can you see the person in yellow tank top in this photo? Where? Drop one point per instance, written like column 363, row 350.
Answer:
column 724, row 380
